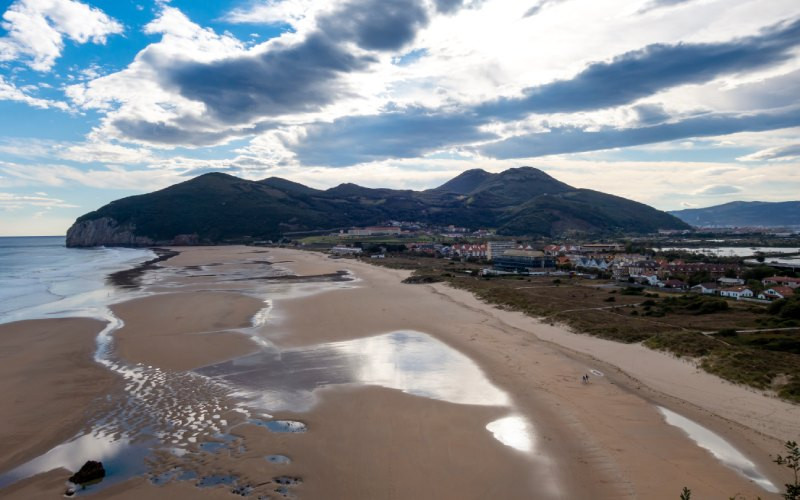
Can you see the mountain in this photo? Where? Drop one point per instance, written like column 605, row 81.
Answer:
column 219, row 208
column 743, row 214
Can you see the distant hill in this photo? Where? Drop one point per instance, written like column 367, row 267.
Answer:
column 219, row 208
column 743, row 214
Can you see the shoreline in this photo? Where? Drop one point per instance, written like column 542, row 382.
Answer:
column 129, row 278
column 609, row 433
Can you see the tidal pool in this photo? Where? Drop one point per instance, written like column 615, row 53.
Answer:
column 409, row 361
column 513, row 431
column 121, row 459
column 721, row 449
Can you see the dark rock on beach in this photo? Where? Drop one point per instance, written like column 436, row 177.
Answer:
column 422, row 280
column 91, row 471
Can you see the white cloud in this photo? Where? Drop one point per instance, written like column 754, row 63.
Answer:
column 11, row 201
column 783, row 153
column 112, row 177
column 36, row 29
column 10, row 92
column 137, row 94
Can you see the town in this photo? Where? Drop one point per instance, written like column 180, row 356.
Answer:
column 635, row 264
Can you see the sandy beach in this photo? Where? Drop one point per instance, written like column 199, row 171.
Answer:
column 48, row 380
column 333, row 355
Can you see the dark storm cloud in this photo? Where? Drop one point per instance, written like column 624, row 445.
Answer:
column 448, row 6
column 541, row 5
column 376, row 24
column 625, row 79
column 181, row 134
column 290, row 79
column 650, row 114
column 657, row 4
column 405, row 134
column 560, row 140
column 644, row 72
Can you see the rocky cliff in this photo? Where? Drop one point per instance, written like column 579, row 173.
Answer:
column 107, row 231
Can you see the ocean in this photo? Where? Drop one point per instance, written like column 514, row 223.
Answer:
column 41, row 278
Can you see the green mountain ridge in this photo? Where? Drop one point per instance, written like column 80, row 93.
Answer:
column 219, row 208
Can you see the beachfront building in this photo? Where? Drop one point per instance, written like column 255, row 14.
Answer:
column 776, row 293
column 494, row 248
column 523, row 261
column 372, row 231
column 477, row 250
column 342, row 250
column 674, row 284
column 602, row 247
column 687, row 269
column 782, row 281
column 706, row 288
column 737, row 292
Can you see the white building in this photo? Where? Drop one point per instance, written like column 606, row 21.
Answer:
column 342, row 250
column 737, row 292
column 495, row 248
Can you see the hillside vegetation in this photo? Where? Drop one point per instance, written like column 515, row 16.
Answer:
column 219, row 208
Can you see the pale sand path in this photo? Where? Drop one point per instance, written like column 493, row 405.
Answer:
column 48, row 379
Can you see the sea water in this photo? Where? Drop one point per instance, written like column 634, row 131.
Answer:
column 40, row 277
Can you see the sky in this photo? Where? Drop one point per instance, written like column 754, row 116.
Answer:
column 673, row 103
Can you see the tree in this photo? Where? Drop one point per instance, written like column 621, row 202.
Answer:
column 792, row 461
column 686, row 494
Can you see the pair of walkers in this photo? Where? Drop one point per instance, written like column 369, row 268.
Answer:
column 585, row 379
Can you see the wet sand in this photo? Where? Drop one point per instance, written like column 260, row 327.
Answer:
column 182, row 331
column 49, row 381
column 601, row 440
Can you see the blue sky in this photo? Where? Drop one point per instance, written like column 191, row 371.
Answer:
column 674, row 103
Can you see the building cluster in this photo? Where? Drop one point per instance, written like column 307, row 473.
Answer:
column 408, row 229
column 509, row 256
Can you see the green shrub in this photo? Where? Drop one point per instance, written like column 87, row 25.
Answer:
column 710, row 306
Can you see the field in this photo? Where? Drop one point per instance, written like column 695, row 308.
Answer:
column 707, row 329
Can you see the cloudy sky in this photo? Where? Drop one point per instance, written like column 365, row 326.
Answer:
column 674, row 103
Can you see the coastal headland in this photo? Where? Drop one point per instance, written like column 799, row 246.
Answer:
column 269, row 372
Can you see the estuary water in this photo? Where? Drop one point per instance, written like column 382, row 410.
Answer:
column 40, row 277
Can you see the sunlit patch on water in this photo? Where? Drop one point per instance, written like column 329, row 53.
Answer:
column 409, row 361
column 721, row 449
column 278, row 459
column 121, row 459
column 280, row 426
column 514, row 431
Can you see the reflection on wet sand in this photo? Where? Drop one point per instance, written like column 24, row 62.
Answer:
column 721, row 449
column 409, row 361
column 121, row 458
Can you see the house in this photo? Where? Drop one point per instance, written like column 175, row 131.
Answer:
column 706, row 288
column 602, row 247
column 648, row 279
column 730, row 281
column 776, row 293
column 782, row 281
column 676, row 284
column 736, row 292
column 687, row 269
